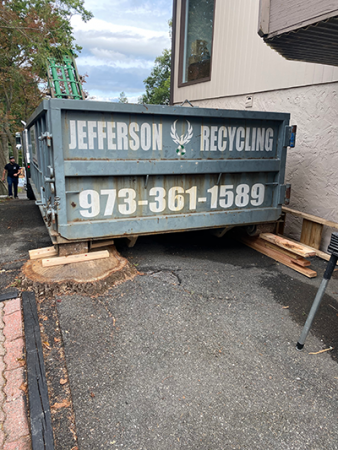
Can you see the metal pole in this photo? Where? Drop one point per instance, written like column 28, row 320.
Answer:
column 333, row 249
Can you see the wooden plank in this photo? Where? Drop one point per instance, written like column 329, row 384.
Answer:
column 42, row 252
column 281, row 225
column 305, row 237
column 258, row 244
column 302, row 262
column 316, row 235
column 106, row 243
column 277, row 256
column 310, row 217
column 311, row 233
column 282, row 250
column 285, row 243
column 319, row 253
column 74, row 258
column 131, row 241
column 295, row 258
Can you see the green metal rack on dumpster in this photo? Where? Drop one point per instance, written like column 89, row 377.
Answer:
column 63, row 79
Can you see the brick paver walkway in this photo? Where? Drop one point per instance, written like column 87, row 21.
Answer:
column 14, row 430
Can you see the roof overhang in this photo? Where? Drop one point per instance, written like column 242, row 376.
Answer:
column 315, row 43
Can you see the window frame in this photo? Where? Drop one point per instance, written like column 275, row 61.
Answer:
column 181, row 83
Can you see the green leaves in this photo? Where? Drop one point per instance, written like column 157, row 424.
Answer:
column 158, row 83
column 30, row 32
column 123, row 98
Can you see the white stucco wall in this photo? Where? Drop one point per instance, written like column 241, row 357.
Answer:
column 312, row 166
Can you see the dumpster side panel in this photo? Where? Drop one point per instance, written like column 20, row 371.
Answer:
column 127, row 169
column 41, row 156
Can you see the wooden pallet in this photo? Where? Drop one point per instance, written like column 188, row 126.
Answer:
column 312, row 229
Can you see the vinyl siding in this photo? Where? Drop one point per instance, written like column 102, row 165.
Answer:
column 285, row 14
column 242, row 63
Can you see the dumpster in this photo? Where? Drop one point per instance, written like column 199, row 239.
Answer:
column 103, row 170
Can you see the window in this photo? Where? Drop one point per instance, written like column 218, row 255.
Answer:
column 197, row 25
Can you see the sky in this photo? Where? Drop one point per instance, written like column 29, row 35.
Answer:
column 120, row 44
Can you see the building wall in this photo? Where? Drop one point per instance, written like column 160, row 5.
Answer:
column 312, row 166
column 242, row 63
column 288, row 13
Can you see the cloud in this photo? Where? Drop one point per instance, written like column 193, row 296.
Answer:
column 114, row 61
column 145, row 14
column 123, row 41
column 110, row 82
column 120, row 44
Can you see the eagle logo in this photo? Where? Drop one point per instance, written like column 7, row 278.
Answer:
column 183, row 140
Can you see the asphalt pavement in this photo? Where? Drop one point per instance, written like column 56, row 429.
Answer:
column 198, row 351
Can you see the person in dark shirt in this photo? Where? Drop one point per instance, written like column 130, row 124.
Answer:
column 13, row 171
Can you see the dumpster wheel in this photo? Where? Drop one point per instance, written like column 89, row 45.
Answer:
column 256, row 230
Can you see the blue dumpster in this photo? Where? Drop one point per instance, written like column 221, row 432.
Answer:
column 100, row 170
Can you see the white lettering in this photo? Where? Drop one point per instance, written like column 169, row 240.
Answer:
column 101, row 134
column 260, row 139
column 91, row 134
column 240, row 139
column 205, row 133
column 222, row 133
column 122, row 136
column 157, row 136
column 81, row 134
column 269, row 139
column 135, row 144
column 111, row 136
column 145, row 136
column 247, row 139
column 253, row 140
column 72, row 129
column 232, row 132
column 213, row 138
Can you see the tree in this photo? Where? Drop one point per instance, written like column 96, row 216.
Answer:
column 123, row 98
column 30, row 31
column 158, row 83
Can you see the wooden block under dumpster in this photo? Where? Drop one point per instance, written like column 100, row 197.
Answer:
column 57, row 261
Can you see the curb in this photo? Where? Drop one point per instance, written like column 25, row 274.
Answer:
column 40, row 416
column 9, row 295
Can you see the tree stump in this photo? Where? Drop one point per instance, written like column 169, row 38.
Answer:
column 87, row 277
